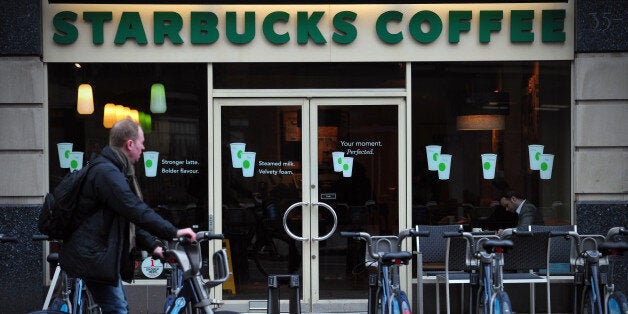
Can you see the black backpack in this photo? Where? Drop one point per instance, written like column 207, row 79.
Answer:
column 60, row 215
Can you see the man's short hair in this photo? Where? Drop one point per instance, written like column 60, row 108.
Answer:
column 509, row 194
column 123, row 130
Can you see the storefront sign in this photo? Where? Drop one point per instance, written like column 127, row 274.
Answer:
column 308, row 33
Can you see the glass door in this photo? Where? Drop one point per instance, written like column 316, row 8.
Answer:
column 292, row 173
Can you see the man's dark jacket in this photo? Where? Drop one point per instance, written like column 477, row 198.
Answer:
column 530, row 215
column 99, row 248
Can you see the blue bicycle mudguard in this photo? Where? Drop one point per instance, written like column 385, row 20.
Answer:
column 168, row 303
column 617, row 303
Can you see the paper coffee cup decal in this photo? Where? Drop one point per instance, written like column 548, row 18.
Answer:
column 76, row 161
column 535, row 152
column 237, row 151
column 444, row 166
column 248, row 164
column 433, row 152
column 337, row 160
column 347, row 167
column 64, row 150
column 151, row 159
column 545, row 165
column 489, row 161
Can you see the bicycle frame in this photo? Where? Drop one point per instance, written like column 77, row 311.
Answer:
column 188, row 291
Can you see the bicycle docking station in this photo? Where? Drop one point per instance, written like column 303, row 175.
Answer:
column 274, row 283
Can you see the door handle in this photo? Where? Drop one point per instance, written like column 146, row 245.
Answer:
column 333, row 213
column 285, row 221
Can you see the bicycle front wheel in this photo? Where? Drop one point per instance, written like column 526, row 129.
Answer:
column 617, row 304
column 501, row 304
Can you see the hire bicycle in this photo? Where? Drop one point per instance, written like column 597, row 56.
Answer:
column 385, row 295
column 187, row 291
column 594, row 251
column 485, row 260
column 65, row 294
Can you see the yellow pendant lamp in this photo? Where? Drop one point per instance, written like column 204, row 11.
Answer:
column 85, row 99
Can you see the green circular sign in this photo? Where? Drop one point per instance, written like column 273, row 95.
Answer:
column 246, row 164
column 149, row 163
column 339, row 160
column 537, row 156
column 435, row 157
column 67, row 154
column 345, row 167
column 239, row 154
column 487, row 165
column 442, row 166
column 544, row 166
column 74, row 164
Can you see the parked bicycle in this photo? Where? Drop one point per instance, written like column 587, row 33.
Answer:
column 65, row 294
column 385, row 295
column 187, row 291
column 485, row 260
column 594, row 251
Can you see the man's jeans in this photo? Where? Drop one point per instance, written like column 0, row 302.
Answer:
column 111, row 299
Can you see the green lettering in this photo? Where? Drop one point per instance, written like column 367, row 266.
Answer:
column 307, row 27
column 521, row 26
column 167, row 24
column 553, row 26
column 130, row 27
column 382, row 29
column 459, row 21
column 346, row 32
column 66, row 32
column 98, row 21
column 203, row 28
column 232, row 29
column 431, row 18
column 268, row 27
column 490, row 21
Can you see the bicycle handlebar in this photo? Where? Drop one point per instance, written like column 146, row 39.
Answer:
column 369, row 241
column 5, row 238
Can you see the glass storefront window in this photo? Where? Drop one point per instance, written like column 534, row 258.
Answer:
column 178, row 189
column 472, row 108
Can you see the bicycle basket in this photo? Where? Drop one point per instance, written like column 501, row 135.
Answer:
column 381, row 244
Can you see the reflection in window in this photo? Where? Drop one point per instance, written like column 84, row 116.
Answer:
column 490, row 107
column 178, row 191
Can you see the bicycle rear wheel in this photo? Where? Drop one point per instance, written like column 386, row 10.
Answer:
column 501, row 304
column 617, row 304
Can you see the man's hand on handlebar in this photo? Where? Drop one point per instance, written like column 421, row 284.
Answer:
column 158, row 253
column 188, row 233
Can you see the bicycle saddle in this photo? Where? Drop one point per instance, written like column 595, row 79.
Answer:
column 391, row 258
column 609, row 247
column 491, row 245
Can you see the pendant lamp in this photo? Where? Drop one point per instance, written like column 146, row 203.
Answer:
column 109, row 116
column 85, row 99
column 135, row 115
column 157, row 98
